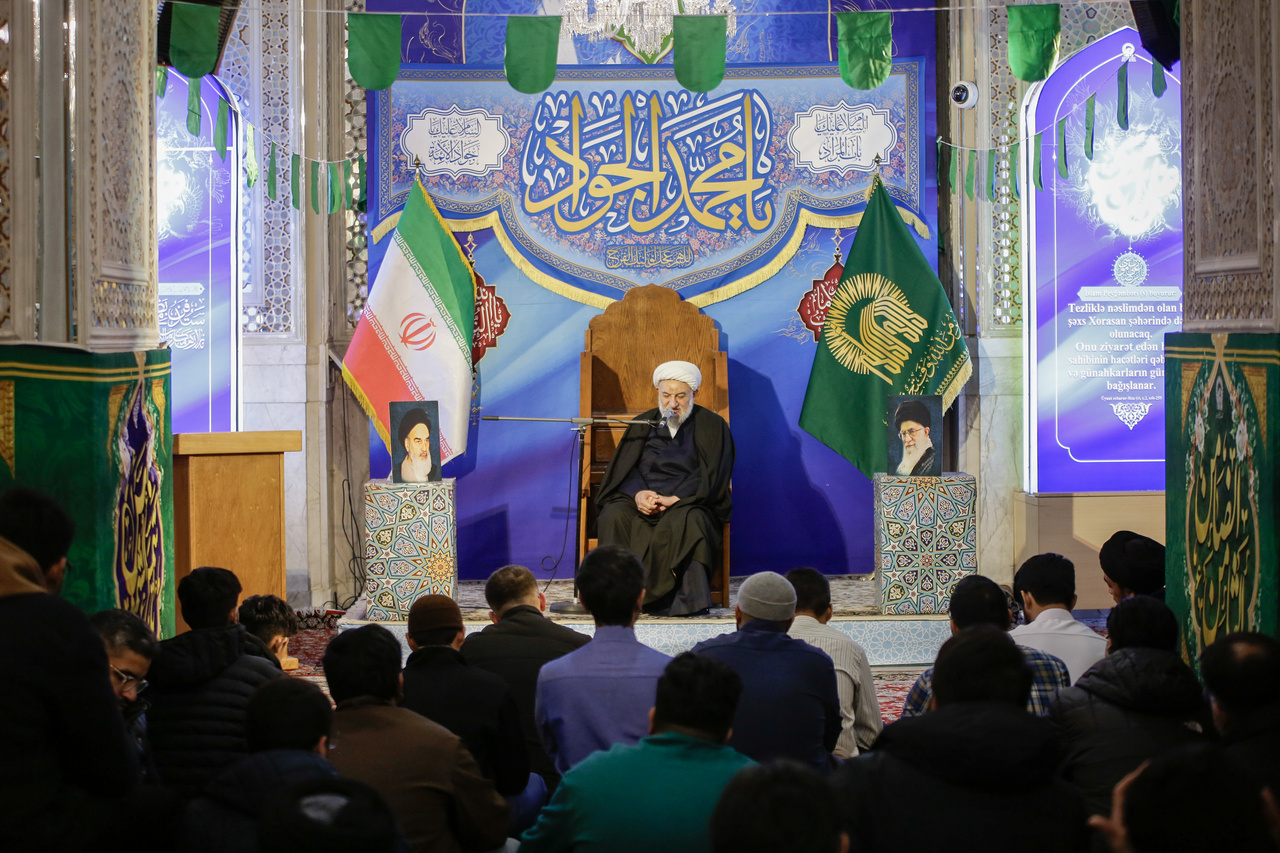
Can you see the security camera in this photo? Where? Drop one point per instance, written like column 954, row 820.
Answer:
column 964, row 95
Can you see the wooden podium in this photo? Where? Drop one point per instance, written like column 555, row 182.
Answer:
column 228, row 507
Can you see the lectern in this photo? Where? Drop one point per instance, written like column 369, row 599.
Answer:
column 228, row 506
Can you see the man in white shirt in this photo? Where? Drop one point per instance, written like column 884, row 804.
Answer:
column 859, row 710
column 1046, row 585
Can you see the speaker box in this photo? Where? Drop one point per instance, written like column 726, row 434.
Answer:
column 1160, row 33
column 225, row 19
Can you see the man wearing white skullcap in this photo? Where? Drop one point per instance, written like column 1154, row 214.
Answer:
column 665, row 495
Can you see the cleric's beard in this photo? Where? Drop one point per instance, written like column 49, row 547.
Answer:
column 912, row 456
column 675, row 421
column 421, row 468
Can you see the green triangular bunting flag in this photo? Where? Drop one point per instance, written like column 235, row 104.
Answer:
column 373, row 49
column 1035, row 168
column 699, row 44
column 335, row 187
column 295, row 181
column 1122, row 95
column 1034, row 35
column 220, row 129
column 271, row 173
column 162, row 81
column 1158, row 81
column 865, row 41
column 1014, row 151
column 1088, row 127
column 193, row 38
column 532, row 42
column 991, row 175
column 315, row 186
column 362, row 199
column 971, row 174
column 889, row 330
column 1062, row 148
column 250, row 154
column 193, row 106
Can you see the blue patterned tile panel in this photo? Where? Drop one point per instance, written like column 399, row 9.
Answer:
column 411, row 545
column 926, row 540
column 893, row 641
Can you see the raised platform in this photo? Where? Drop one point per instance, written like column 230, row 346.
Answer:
column 888, row 640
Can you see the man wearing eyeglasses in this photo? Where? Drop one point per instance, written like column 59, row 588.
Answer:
column 914, row 424
column 130, row 649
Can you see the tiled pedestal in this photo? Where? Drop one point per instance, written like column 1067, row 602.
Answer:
column 411, row 545
column 926, row 540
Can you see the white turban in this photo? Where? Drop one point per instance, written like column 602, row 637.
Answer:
column 680, row 371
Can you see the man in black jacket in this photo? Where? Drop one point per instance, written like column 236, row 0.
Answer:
column 1137, row 702
column 1242, row 674
column 475, row 705
column 516, row 646
column 202, row 681
column 975, row 774
column 66, row 752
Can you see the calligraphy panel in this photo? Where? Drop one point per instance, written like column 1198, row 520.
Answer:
column 617, row 177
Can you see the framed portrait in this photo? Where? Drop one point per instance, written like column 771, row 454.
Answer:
column 415, row 441
column 915, row 435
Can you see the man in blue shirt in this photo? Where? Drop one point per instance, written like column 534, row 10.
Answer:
column 672, row 779
column 601, row 694
column 790, row 707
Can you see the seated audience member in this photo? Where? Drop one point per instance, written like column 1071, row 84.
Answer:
column 978, row 600
column 201, row 683
column 271, row 620
column 1138, row 702
column 65, row 743
column 601, row 694
column 330, row 816
column 475, row 705
column 1195, row 799
column 860, row 721
column 516, row 646
column 1132, row 564
column 656, row 795
column 1046, row 588
column 1241, row 671
column 779, row 806
column 790, row 707
column 130, row 649
column 428, row 778
column 975, row 774
column 288, row 724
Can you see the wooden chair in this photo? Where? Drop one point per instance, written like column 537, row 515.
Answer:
column 648, row 326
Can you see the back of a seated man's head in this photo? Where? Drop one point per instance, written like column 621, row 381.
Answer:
column 1242, row 673
column 207, row 597
column 1196, row 798
column 813, row 590
column 698, row 694
column 37, row 524
column 1049, row 578
column 778, row 806
column 1142, row 623
column 981, row 664
column 363, row 661
column 978, row 600
column 287, row 713
column 510, row 586
column 610, row 581
column 268, row 617
column 329, row 816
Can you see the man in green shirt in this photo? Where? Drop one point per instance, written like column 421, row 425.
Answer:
column 658, row 794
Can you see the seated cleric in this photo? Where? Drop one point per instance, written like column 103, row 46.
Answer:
column 665, row 495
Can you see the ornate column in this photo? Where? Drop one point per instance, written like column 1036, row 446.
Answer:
column 1223, row 372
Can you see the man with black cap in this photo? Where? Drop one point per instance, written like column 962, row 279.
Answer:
column 914, row 423
column 1132, row 564
column 475, row 705
column 790, row 707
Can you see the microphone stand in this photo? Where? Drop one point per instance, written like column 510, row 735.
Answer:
column 580, row 425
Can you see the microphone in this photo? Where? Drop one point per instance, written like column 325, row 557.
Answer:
column 666, row 415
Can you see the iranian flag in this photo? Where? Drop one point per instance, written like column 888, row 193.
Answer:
column 414, row 337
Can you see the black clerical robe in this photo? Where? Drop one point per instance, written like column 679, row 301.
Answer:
column 695, row 465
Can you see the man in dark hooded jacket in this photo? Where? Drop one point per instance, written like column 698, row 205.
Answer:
column 201, row 684
column 1137, row 702
column 288, row 724
column 975, row 774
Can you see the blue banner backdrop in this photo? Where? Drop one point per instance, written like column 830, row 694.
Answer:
column 795, row 501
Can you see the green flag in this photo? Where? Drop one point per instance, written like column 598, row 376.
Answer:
column 315, row 185
column 373, row 49
column 193, row 38
column 220, row 129
column 1014, row 153
column 193, row 106
column 271, row 173
column 890, row 330
column 250, row 154
column 530, row 59
column 1088, row 126
column 699, row 43
column 866, row 41
column 295, row 181
column 971, row 173
column 162, row 81
column 1034, row 35
column 1122, row 95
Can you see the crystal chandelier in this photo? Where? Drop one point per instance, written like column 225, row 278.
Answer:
column 647, row 23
